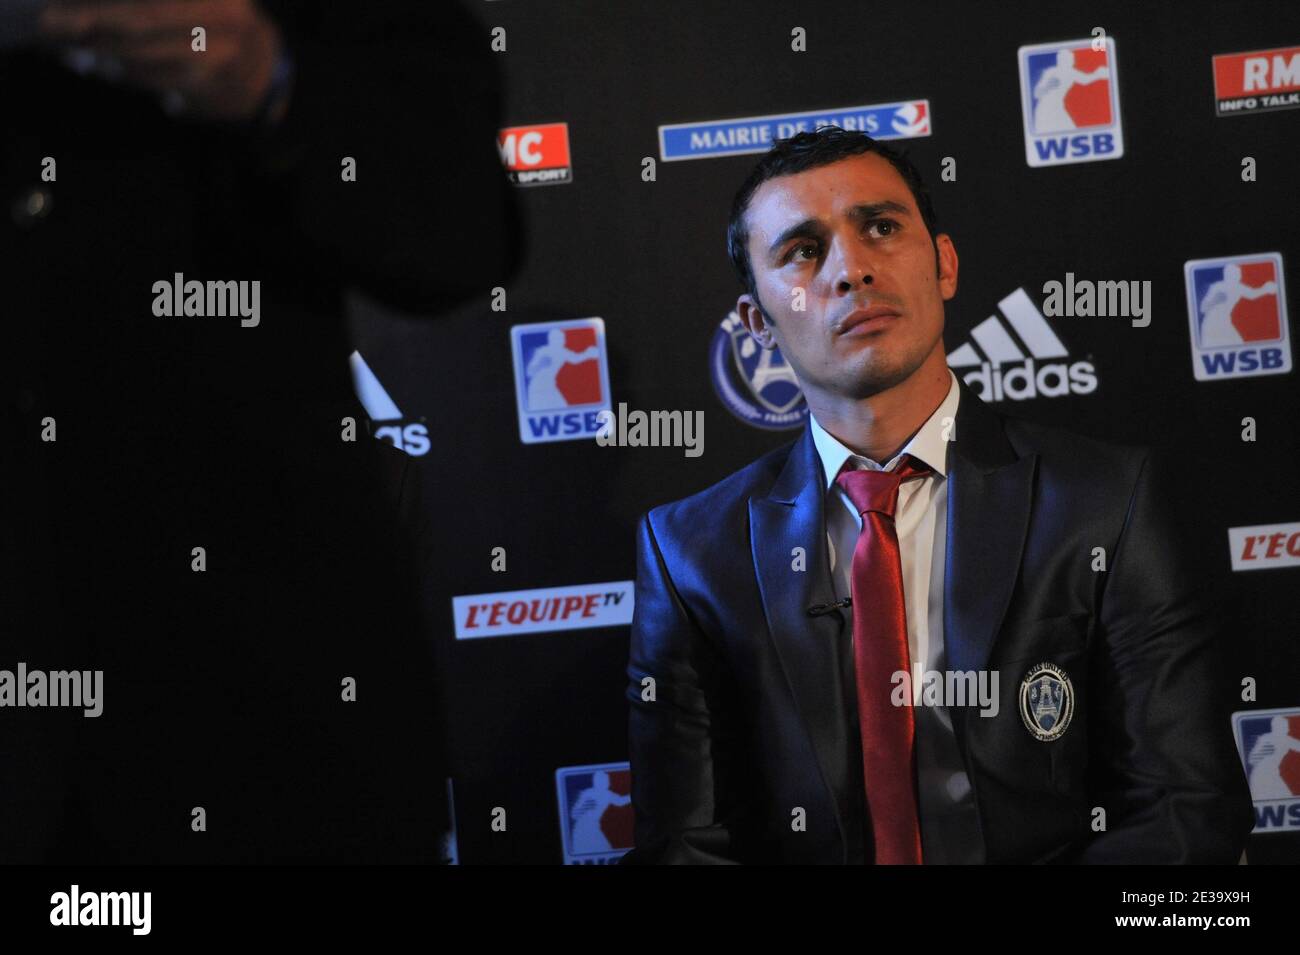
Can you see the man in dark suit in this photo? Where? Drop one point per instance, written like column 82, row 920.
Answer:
column 1025, row 669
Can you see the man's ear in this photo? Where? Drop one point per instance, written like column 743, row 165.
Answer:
column 755, row 321
column 946, row 253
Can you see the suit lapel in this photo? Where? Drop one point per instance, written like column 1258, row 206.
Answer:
column 809, row 647
column 990, row 494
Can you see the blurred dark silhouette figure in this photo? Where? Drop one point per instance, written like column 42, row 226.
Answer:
column 223, row 689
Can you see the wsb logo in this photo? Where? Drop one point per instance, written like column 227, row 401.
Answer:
column 1069, row 98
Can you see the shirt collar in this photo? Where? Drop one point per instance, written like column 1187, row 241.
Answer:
column 928, row 444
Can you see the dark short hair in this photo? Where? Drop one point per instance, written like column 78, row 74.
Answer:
column 827, row 144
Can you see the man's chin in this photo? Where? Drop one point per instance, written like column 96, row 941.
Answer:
column 873, row 377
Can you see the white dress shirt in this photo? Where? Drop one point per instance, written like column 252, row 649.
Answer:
column 949, row 829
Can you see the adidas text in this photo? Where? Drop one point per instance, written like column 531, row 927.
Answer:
column 1019, row 383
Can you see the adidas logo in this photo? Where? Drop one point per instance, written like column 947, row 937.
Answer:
column 1029, row 351
column 413, row 438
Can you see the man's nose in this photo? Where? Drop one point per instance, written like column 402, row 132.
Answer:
column 856, row 264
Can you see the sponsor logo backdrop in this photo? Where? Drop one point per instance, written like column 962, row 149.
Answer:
column 1123, row 164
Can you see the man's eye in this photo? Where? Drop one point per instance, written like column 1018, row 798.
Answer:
column 794, row 253
column 886, row 227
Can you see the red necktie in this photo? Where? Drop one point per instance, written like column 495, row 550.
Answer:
column 880, row 651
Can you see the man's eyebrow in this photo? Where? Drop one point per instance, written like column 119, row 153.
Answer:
column 812, row 228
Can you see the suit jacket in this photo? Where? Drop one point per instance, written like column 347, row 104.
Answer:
column 753, row 713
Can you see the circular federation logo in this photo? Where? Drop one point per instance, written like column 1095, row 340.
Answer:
column 755, row 384
column 1046, row 701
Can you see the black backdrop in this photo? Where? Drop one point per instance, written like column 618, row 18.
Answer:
column 649, row 258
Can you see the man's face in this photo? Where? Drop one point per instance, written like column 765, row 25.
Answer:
column 850, row 236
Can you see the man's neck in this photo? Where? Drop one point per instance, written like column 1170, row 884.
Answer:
column 878, row 427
